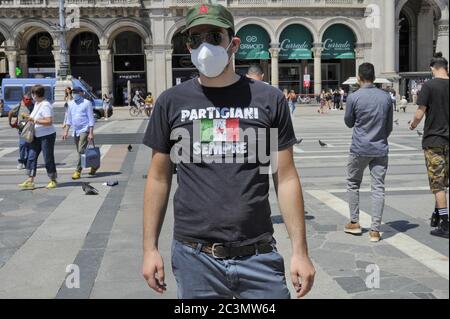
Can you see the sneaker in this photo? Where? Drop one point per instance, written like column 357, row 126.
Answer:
column 27, row 185
column 20, row 166
column 354, row 229
column 51, row 185
column 76, row 175
column 374, row 236
column 93, row 171
column 442, row 230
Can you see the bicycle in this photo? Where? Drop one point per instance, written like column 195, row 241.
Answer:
column 136, row 111
column 304, row 100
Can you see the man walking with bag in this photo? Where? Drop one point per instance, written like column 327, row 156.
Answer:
column 223, row 243
column 80, row 116
column 370, row 113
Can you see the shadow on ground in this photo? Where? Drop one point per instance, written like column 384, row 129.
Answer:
column 398, row 226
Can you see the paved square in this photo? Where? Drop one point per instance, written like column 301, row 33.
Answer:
column 42, row 232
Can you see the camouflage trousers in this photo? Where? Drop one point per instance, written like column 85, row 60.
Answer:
column 436, row 158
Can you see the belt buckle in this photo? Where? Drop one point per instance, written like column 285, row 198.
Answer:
column 213, row 248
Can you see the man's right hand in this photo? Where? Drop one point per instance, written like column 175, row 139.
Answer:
column 65, row 135
column 153, row 271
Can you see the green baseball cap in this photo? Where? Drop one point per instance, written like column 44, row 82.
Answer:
column 211, row 14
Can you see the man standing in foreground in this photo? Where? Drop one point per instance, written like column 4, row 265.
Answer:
column 80, row 116
column 433, row 101
column 369, row 112
column 223, row 245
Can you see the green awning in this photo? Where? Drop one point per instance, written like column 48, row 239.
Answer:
column 254, row 43
column 338, row 43
column 296, row 43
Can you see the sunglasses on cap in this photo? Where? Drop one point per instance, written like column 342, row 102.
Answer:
column 195, row 39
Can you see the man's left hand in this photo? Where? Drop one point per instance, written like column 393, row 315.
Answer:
column 302, row 274
column 90, row 137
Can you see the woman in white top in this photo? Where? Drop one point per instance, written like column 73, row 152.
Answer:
column 44, row 139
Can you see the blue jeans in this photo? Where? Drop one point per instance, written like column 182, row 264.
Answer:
column 23, row 151
column 46, row 144
column 200, row 276
column 291, row 106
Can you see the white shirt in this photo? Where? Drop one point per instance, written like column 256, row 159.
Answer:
column 42, row 110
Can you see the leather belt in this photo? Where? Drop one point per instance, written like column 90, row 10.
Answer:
column 220, row 251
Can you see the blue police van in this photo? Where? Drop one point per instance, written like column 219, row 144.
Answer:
column 12, row 91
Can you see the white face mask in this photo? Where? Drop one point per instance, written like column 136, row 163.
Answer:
column 210, row 59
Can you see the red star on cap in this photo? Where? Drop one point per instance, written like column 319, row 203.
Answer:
column 204, row 9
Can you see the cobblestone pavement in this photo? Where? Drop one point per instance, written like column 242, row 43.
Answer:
column 42, row 232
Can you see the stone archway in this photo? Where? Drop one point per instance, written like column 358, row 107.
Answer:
column 129, row 63
column 422, row 27
column 85, row 60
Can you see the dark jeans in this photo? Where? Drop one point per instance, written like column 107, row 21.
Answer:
column 23, row 151
column 46, row 144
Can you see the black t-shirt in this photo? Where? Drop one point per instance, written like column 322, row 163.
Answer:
column 434, row 95
column 225, row 201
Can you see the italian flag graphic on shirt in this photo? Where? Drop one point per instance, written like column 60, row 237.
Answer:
column 219, row 130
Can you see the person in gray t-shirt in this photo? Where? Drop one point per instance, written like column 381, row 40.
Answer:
column 369, row 112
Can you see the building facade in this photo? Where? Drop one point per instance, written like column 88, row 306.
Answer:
column 305, row 45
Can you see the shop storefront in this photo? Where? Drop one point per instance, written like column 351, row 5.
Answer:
column 85, row 61
column 128, row 66
column 338, row 56
column 296, row 67
column 254, row 49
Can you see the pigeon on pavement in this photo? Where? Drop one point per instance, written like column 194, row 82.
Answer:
column 88, row 189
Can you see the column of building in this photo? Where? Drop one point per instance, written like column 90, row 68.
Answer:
column 317, row 52
column 11, row 55
column 105, row 69
column 442, row 34
column 425, row 30
column 389, row 37
column 149, row 66
column 158, row 58
column 274, row 54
